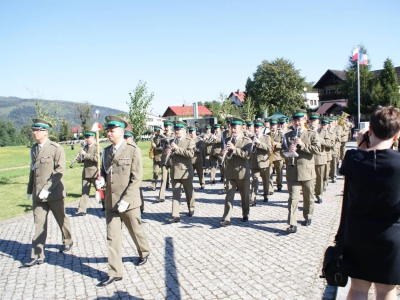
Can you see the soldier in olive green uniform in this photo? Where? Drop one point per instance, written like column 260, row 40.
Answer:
column 300, row 171
column 122, row 171
column 344, row 138
column 249, row 132
column 207, row 150
column 168, row 134
column 157, row 153
column 320, row 159
column 47, row 189
column 237, row 170
column 335, row 151
column 197, row 160
column 259, row 162
column 88, row 156
column 216, row 140
column 277, row 159
column 181, row 170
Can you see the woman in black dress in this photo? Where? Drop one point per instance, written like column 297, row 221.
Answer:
column 372, row 228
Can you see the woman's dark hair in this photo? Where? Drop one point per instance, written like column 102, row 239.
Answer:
column 385, row 122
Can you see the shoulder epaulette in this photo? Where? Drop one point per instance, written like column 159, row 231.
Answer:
column 55, row 144
column 247, row 138
column 131, row 144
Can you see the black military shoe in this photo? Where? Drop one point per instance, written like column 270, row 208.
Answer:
column 109, row 280
column 222, row 179
column 245, row 219
column 333, row 180
column 202, row 186
column 80, row 214
column 36, row 261
column 253, row 203
column 319, row 200
column 191, row 213
column 279, row 189
column 153, row 188
column 224, row 223
column 174, row 220
column 142, row 261
column 265, row 199
column 271, row 193
column 160, row 200
column 291, row 229
column 66, row 248
column 307, row 222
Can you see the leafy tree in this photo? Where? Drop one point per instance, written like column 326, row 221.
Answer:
column 388, row 81
column 139, row 104
column 25, row 136
column 367, row 87
column 277, row 85
column 84, row 114
column 48, row 112
column 8, row 134
column 248, row 109
column 65, row 131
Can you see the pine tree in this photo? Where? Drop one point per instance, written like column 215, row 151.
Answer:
column 390, row 86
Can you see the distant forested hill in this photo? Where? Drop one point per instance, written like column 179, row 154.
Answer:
column 21, row 111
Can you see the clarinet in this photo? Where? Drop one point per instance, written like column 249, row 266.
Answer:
column 231, row 139
column 170, row 152
column 79, row 155
column 296, row 134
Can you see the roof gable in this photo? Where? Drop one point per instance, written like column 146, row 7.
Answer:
column 186, row 111
column 330, row 77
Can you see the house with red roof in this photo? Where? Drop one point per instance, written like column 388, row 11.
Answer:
column 175, row 113
column 237, row 98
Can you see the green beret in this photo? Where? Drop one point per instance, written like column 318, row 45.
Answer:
column 89, row 133
column 40, row 124
column 114, row 121
column 314, row 116
column 273, row 121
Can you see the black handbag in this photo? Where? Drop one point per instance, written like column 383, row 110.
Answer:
column 335, row 269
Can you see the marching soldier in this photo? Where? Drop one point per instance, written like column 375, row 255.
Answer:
column 335, row 151
column 237, row 170
column 283, row 125
column 344, row 138
column 197, row 160
column 259, row 162
column 320, row 159
column 249, row 132
column 216, row 141
column 47, row 189
column 181, row 153
column 157, row 153
column 88, row 156
column 300, row 171
column 267, row 126
column 165, row 163
column 122, row 173
column 277, row 159
column 328, row 150
column 207, row 150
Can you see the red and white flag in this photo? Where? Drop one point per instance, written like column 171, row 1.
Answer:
column 96, row 127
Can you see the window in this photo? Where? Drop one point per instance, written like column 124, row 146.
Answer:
column 150, row 119
column 330, row 91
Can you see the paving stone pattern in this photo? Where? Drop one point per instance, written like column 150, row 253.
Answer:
column 194, row 259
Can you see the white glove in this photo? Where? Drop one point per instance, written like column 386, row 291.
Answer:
column 122, row 206
column 28, row 196
column 43, row 194
column 99, row 183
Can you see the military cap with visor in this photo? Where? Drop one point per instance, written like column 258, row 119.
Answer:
column 282, row 120
column 273, row 121
column 89, row 133
column 298, row 113
column 208, row 127
column 325, row 121
column 114, row 121
column 258, row 123
column 179, row 125
column 314, row 116
column 157, row 128
column 216, row 126
column 236, row 121
column 40, row 124
column 128, row 131
column 168, row 123
column 192, row 129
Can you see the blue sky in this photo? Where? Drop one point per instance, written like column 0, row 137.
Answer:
column 186, row 51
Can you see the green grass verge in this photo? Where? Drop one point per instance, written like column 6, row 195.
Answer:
column 14, row 172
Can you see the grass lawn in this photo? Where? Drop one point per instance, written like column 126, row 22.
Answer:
column 14, row 173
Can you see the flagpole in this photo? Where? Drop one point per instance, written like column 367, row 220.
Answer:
column 358, row 89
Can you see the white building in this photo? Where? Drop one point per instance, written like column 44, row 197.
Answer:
column 153, row 120
column 311, row 99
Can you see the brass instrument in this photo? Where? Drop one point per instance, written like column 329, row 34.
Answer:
column 212, row 137
column 79, row 157
column 151, row 153
column 342, row 119
column 170, row 152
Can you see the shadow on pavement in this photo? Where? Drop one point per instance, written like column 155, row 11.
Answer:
column 119, row 295
column 171, row 275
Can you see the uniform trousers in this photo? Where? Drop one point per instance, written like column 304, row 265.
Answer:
column 215, row 160
column 327, row 171
column 200, row 172
column 207, row 163
column 164, row 182
column 244, row 190
column 278, row 164
column 132, row 221
column 294, row 188
column 176, row 195
column 40, row 213
column 256, row 175
column 319, row 180
column 333, row 167
column 86, row 185
column 342, row 150
column 157, row 166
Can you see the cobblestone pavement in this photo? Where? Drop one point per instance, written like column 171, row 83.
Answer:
column 194, row 259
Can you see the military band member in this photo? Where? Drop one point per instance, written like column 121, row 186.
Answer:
column 207, row 150
column 157, row 153
column 122, row 173
column 259, row 162
column 89, row 158
column 344, row 138
column 267, row 125
column 216, row 140
column 277, row 159
column 197, row 160
column 169, row 134
column 47, row 189
column 328, row 151
column 300, row 171
column 335, row 151
column 237, row 170
column 320, row 159
column 181, row 153
column 283, row 125
column 249, row 132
